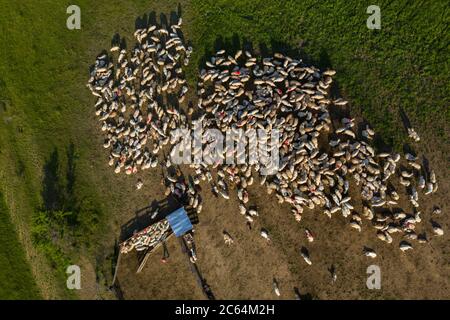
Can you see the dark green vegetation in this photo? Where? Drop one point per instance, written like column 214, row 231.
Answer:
column 49, row 161
column 16, row 279
column 63, row 219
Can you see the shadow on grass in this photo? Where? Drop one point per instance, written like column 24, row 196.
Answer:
column 57, row 192
column 51, row 185
column 73, row 218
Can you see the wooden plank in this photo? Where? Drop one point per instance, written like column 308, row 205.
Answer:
column 149, row 252
column 117, row 267
column 144, row 260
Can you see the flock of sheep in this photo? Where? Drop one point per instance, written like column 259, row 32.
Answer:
column 129, row 95
column 139, row 94
column 319, row 155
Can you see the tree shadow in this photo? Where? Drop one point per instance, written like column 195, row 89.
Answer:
column 70, row 175
column 58, row 192
column 52, row 193
column 20, row 168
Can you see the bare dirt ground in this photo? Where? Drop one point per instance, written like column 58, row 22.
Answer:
column 246, row 269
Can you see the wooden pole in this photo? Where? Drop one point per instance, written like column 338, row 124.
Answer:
column 144, row 260
column 117, row 268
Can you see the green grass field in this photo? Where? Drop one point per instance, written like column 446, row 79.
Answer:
column 47, row 165
column 16, row 279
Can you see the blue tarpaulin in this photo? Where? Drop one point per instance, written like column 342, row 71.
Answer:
column 179, row 222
